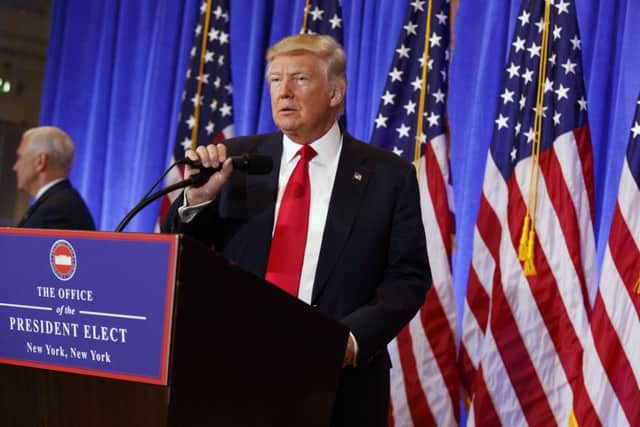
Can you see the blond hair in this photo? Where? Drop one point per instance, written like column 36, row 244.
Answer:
column 323, row 46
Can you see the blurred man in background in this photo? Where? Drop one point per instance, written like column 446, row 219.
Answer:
column 42, row 167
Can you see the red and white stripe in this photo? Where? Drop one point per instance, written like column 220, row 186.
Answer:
column 424, row 378
column 530, row 360
column 613, row 366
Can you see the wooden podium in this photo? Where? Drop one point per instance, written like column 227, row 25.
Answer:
column 242, row 353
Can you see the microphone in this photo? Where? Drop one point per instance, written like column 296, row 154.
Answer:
column 252, row 164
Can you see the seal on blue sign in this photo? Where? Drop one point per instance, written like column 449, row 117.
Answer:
column 63, row 260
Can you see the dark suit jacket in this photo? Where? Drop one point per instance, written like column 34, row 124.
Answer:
column 62, row 207
column 372, row 272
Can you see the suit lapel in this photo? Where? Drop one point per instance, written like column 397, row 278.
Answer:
column 261, row 194
column 348, row 188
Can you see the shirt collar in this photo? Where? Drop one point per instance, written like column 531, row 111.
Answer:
column 47, row 186
column 327, row 146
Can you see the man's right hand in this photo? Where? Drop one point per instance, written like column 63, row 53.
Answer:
column 210, row 156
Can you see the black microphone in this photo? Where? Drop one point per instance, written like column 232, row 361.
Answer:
column 252, row 164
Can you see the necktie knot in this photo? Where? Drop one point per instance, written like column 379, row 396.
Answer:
column 307, row 152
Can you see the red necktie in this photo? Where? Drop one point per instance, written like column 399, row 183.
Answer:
column 290, row 235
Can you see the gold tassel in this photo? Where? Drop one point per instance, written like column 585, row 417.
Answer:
column 637, row 288
column 522, row 249
column 572, row 421
column 529, row 266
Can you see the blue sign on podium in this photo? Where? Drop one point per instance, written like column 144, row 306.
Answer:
column 87, row 302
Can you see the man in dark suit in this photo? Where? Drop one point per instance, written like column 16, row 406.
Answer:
column 338, row 226
column 43, row 162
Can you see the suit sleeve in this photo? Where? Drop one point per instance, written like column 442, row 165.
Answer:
column 201, row 227
column 406, row 278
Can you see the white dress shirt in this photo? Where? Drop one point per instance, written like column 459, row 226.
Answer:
column 322, row 174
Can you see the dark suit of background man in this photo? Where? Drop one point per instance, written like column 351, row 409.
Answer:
column 43, row 162
column 365, row 260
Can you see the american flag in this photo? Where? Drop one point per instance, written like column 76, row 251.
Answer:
column 614, row 364
column 424, row 381
column 323, row 17
column 206, row 99
column 524, row 334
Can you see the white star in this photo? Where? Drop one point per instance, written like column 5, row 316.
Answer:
column 203, row 7
column 204, row 78
column 224, row 38
column 221, row 60
column 507, row 96
column 209, row 128
column 335, row 22
column 397, row 151
column 548, row 85
column 434, row 40
column 403, row 131
column 403, row 51
column 544, row 110
column 213, row 34
column 192, row 53
column 198, row 29
column 316, row 13
column 410, row 107
column 527, row 76
column 562, row 92
column 208, row 56
column 518, row 44
column 562, row 6
column 228, row 88
column 387, row 98
column 225, row 110
column 381, row 121
column 516, row 128
column 540, row 25
column 196, row 100
column 524, row 18
column 635, row 129
column 556, row 118
column 575, row 41
column 433, row 119
column 417, row 84
column 534, row 50
column 513, row 70
column 583, row 103
column 396, row 74
column 439, row 96
column 186, row 144
column 514, row 153
column 189, row 73
column 529, row 134
column 217, row 82
column 502, row 122
column 191, row 121
column 218, row 12
column 552, row 59
column 556, row 32
column 523, row 101
column 410, row 28
column 441, row 17
column 569, row 67
column 417, row 5
column 214, row 105
column 225, row 16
